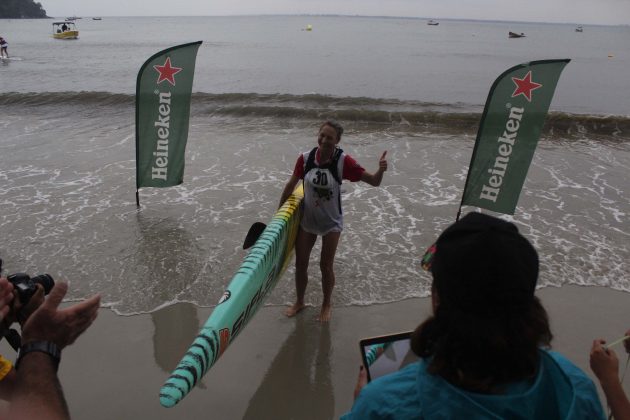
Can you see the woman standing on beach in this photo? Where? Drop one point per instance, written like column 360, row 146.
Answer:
column 322, row 170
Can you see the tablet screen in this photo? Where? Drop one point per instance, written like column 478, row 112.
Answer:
column 386, row 354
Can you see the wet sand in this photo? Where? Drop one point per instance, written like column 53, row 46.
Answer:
column 280, row 368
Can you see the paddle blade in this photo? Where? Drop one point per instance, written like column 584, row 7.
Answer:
column 254, row 233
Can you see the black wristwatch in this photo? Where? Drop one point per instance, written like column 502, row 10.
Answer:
column 47, row 347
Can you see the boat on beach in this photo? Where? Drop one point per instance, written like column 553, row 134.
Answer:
column 515, row 35
column 65, row 30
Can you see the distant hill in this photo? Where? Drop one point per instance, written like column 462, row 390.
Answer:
column 21, row 9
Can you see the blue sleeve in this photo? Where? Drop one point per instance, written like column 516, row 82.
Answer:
column 392, row 396
column 586, row 396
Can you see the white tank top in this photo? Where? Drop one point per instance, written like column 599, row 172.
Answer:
column 322, row 199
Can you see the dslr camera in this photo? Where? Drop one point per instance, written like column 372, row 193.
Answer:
column 26, row 286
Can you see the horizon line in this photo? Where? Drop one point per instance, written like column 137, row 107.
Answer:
column 346, row 15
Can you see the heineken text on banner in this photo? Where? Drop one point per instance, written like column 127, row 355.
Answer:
column 163, row 91
column 508, row 134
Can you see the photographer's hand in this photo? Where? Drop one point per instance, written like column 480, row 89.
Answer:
column 38, row 393
column 6, row 297
column 20, row 312
column 60, row 326
column 11, row 309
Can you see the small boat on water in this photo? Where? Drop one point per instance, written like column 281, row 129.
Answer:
column 97, row 18
column 579, row 29
column 433, row 22
column 516, row 35
column 65, row 30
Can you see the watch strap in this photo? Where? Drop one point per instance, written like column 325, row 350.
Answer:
column 47, row 347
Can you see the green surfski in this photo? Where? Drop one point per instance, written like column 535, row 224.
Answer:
column 257, row 275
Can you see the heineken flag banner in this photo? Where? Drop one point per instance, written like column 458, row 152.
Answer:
column 508, row 134
column 163, row 91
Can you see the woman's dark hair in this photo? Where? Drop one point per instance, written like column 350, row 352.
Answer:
column 480, row 353
column 488, row 326
column 335, row 125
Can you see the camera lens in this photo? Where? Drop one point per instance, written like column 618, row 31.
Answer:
column 45, row 280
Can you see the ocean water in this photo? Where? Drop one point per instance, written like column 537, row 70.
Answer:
column 262, row 86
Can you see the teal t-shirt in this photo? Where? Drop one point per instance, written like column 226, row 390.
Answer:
column 560, row 391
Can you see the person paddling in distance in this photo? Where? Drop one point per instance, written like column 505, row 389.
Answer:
column 322, row 170
column 4, row 45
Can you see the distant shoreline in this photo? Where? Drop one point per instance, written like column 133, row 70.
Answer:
column 442, row 19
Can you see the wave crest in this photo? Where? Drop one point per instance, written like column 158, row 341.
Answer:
column 412, row 115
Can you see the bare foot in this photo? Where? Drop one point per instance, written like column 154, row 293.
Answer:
column 294, row 309
column 325, row 314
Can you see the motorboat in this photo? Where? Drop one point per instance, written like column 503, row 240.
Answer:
column 65, row 30
column 579, row 29
column 516, row 35
column 97, row 18
column 433, row 22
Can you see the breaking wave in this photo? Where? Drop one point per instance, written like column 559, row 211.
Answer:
column 411, row 115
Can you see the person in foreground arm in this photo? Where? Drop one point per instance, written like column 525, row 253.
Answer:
column 605, row 365
column 37, row 393
column 7, row 372
column 11, row 311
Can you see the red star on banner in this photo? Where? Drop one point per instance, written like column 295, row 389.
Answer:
column 525, row 86
column 167, row 72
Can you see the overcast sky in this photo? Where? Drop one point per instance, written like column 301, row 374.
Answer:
column 606, row 12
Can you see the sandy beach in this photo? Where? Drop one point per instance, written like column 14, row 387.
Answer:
column 280, row 368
